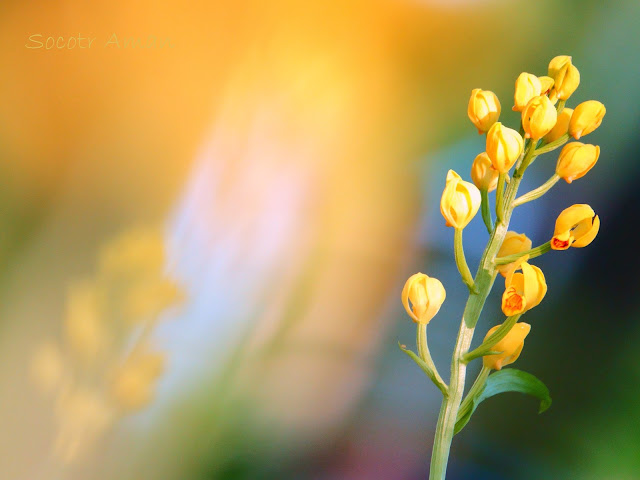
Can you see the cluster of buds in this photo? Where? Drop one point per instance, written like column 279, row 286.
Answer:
column 545, row 125
column 105, row 366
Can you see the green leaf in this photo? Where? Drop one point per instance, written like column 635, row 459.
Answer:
column 507, row 380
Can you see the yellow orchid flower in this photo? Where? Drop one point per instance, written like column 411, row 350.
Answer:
column 484, row 109
column 504, row 146
column 523, row 291
column 586, row 118
column 527, row 87
column 576, row 226
column 511, row 346
column 513, row 243
column 484, row 176
column 575, row 160
column 460, row 201
column 426, row 295
column 565, row 75
column 538, row 117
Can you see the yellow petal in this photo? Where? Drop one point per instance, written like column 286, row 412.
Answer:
column 586, row 232
column 483, row 109
column 575, row 160
column 546, row 83
column 405, row 295
column 483, row 175
column 528, row 86
column 535, row 285
column 538, row 117
column 586, row 118
column 422, row 297
column 513, row 243
column 460, row 201
column 571, row 216
column 561, row 127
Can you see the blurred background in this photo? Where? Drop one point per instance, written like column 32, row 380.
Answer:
column 294, row 154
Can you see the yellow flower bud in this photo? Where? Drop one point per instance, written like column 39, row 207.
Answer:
column 460, row 201
column 510, row 346
column 513, row 243
column 483, row 109
column 527, row 87
column 523, row 291
column 48, row 367
column 576, row 226
column 575, row 160
column 561, row 127
column 586, row 118
column 86, row 331
column 565, row 75
column 133, row 383
column 483, row 174
column 426, row 295
column 145, row 300
column 504, row 146
column 546, row 84
column 538, row 117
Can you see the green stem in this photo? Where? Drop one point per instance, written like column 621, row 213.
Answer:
column 529, row 156
column 533, row 253
column 500, row 196
column 537, row 193
column 560, row 106
column 461, row 262
column 548, row 147
column 425, row 355
column 478, row 385
column 486, row 210
column 484, row 279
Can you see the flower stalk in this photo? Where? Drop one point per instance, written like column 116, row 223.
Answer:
column 484, row 279
column 461, row 262
column 425, row 356
column 533, row 253
column 507, row 252
column 486, row 211
column 538, row 192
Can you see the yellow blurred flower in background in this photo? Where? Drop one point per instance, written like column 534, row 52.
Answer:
column 105, row 367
